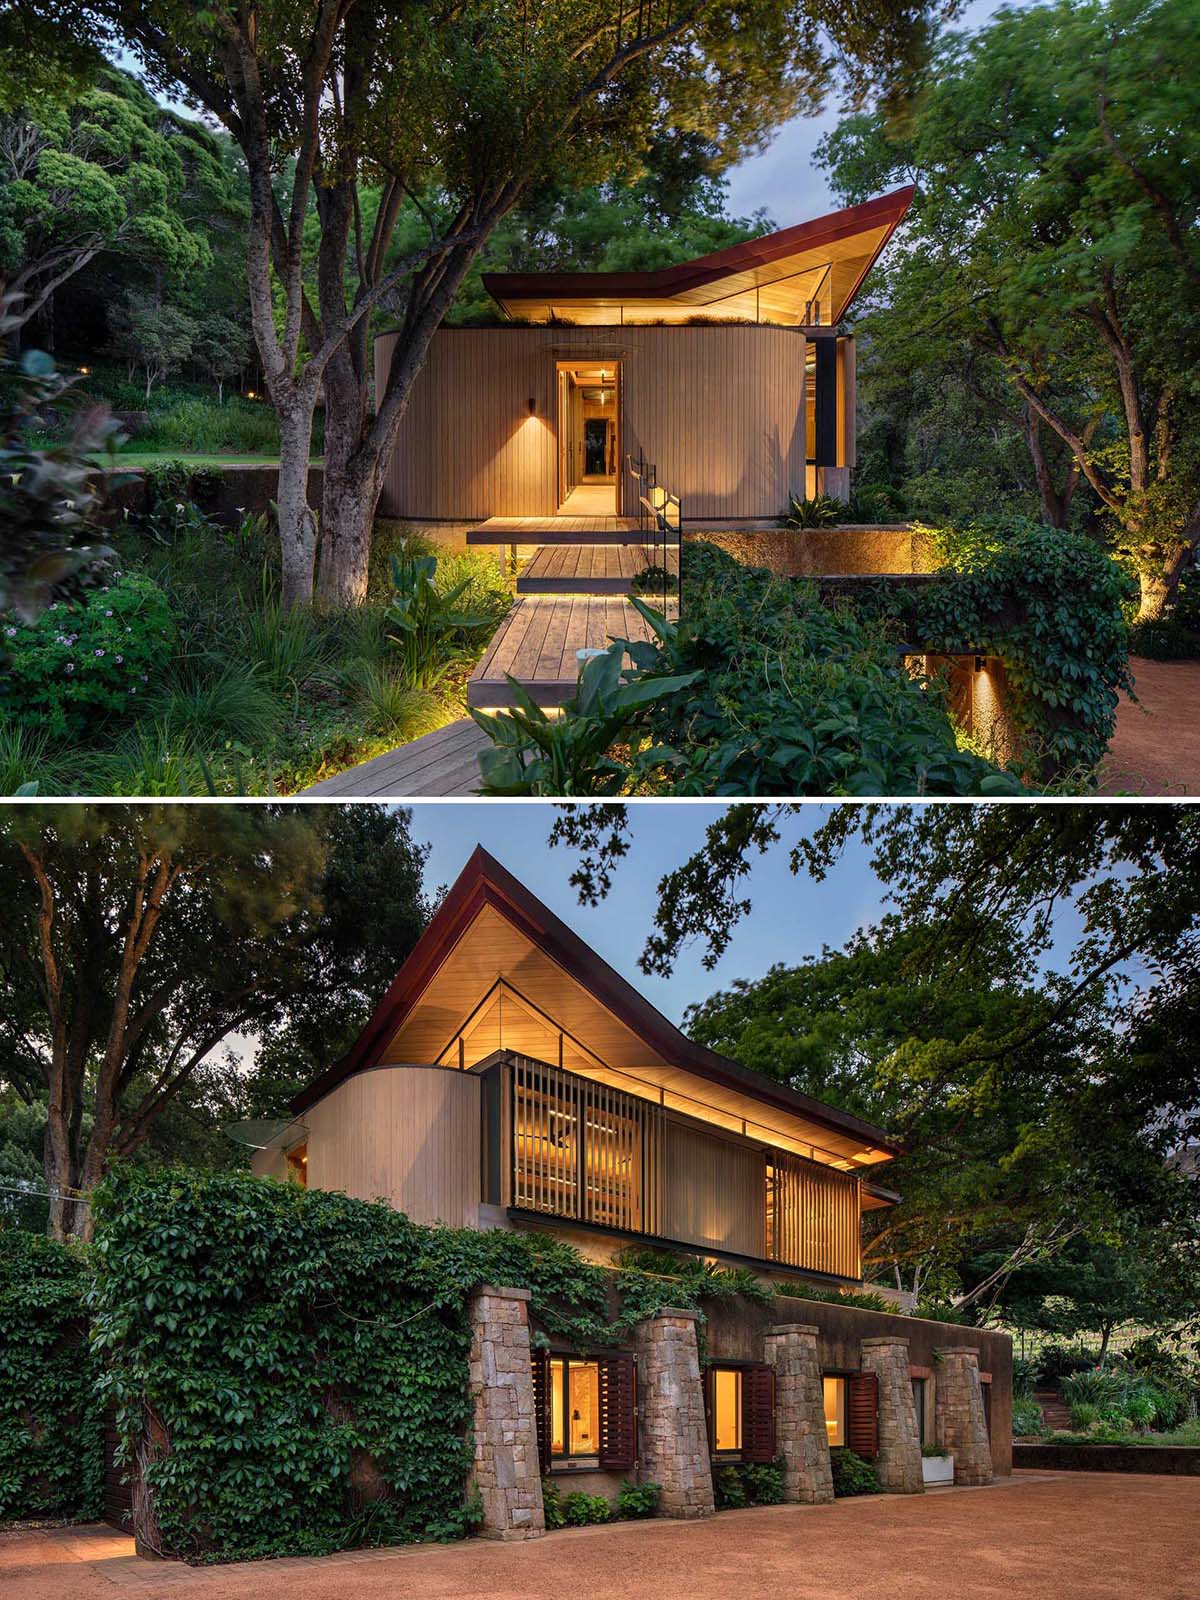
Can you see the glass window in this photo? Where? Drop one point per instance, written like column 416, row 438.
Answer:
column 835, row 1409
column 727, row 1409
column 919, row 1401
column 297, row 1164
column 574, row 1408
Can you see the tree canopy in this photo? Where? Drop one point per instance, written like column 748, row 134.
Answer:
column 1052, row 245
column 1018, row 1016
column 143, row 940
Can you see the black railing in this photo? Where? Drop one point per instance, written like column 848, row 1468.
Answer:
column 660, row 520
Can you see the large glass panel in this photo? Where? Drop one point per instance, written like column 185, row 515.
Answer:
column 727, row 1409
column 584, row 1396
column 835, row 1409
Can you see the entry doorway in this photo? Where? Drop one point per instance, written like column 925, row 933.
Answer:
column 589, row 438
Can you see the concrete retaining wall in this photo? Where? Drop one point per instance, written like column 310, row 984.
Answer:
column 861, row 550
column 1171, row 1460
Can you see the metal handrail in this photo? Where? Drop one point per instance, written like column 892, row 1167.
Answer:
column 660, row 521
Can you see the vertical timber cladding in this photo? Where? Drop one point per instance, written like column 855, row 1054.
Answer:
column 719, row 411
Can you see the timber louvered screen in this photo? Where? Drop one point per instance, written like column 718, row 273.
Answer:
column 584, row 1150
column 814, row 1216
column 540, row 1361
column 758, row 1413
column 862, row 1414
column 618, row 1411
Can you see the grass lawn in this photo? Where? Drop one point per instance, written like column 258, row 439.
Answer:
column 148, row 458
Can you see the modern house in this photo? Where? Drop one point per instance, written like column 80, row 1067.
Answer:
column 510, row 1078
column 732, row 373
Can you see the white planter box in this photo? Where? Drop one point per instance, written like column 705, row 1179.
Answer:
column 937, row 1469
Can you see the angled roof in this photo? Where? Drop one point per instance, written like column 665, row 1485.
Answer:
column 492, row 931
column 802, row 276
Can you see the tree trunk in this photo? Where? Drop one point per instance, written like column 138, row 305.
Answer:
column 350, row 486
column 1158, row 587
column 61, row 1177
column 297, row 525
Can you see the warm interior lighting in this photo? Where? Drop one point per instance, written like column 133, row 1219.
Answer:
column 297, row 1165
column 727, row 1409
column 835, row 1409
column 574, row 1407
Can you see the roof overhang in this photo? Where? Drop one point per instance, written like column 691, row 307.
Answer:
column 799, row 276
column 490, row 928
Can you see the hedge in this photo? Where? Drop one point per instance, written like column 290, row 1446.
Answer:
column 51, row 1434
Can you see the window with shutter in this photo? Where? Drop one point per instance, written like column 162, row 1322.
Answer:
column 862, row 1414
column 758, row 1413
column 618, row 1411
column 541, row 1405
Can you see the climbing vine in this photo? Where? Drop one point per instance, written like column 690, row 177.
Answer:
column 294, row 1362
column 50, row 1421
column 1050, row 604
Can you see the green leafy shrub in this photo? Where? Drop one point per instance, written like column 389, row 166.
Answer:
column 760, row 689
column 580, row 1510
column 748, row 1483
column 1025, row 1375
column 1055, row 1361
column 95, row 656
column 51, row 1433
column 1164, row 640
column 851, row 1474
column 552, row 1505
column 862, row 1299
column 427, row 624
column 637, row 1500
column 729, row 1490
column 1049, row 603
column 1026, row 1416
column 1084, row 1414
column 934, row 1452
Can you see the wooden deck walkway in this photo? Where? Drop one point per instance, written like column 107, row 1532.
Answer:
column 584, row 569
column 537, row 643
column 444, row 762
column 557, row 530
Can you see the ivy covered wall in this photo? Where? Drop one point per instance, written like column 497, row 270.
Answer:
column 290, row 1365
column 51, row 1441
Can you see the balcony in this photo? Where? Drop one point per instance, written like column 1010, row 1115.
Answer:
column 573, row 1148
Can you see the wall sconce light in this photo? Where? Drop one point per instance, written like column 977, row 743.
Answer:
column 532, row 406
column 978, row 663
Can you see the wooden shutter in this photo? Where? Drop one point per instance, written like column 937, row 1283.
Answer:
column 540, row 1361
column 710, row 1408
column 618, row 1411
column 758, row 1413
column 862, row 1414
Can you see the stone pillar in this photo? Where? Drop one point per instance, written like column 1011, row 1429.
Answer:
column 674, row 1435
column 961, row 1426
column 800, row 1432
column 506, row 1471
column 899, row 1460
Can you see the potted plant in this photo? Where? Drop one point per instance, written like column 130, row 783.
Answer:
column 937, row 1465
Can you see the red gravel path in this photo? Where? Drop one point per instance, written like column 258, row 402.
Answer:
column 1036, row 1536
column 1156, row 748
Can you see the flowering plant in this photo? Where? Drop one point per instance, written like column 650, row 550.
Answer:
column 98, row 655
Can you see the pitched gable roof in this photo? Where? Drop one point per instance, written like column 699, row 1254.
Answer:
column 486, row 894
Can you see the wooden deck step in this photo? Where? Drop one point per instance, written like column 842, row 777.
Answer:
column 537, row 641
column 584, row 569
column 557, row 530
column 443, row 762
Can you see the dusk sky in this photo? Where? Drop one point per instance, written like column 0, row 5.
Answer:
column 793, row 917
column 785, row 179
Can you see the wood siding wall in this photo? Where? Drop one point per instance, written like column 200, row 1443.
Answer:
column 713, row 1190
column 408, row 1135
column 719, row 410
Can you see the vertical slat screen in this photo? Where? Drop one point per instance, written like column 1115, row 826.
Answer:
column 814, row 1216
column 540, row 1362
column 758, row 1412
column 584, row 1150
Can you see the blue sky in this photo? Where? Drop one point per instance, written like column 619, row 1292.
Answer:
column 793, row 917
